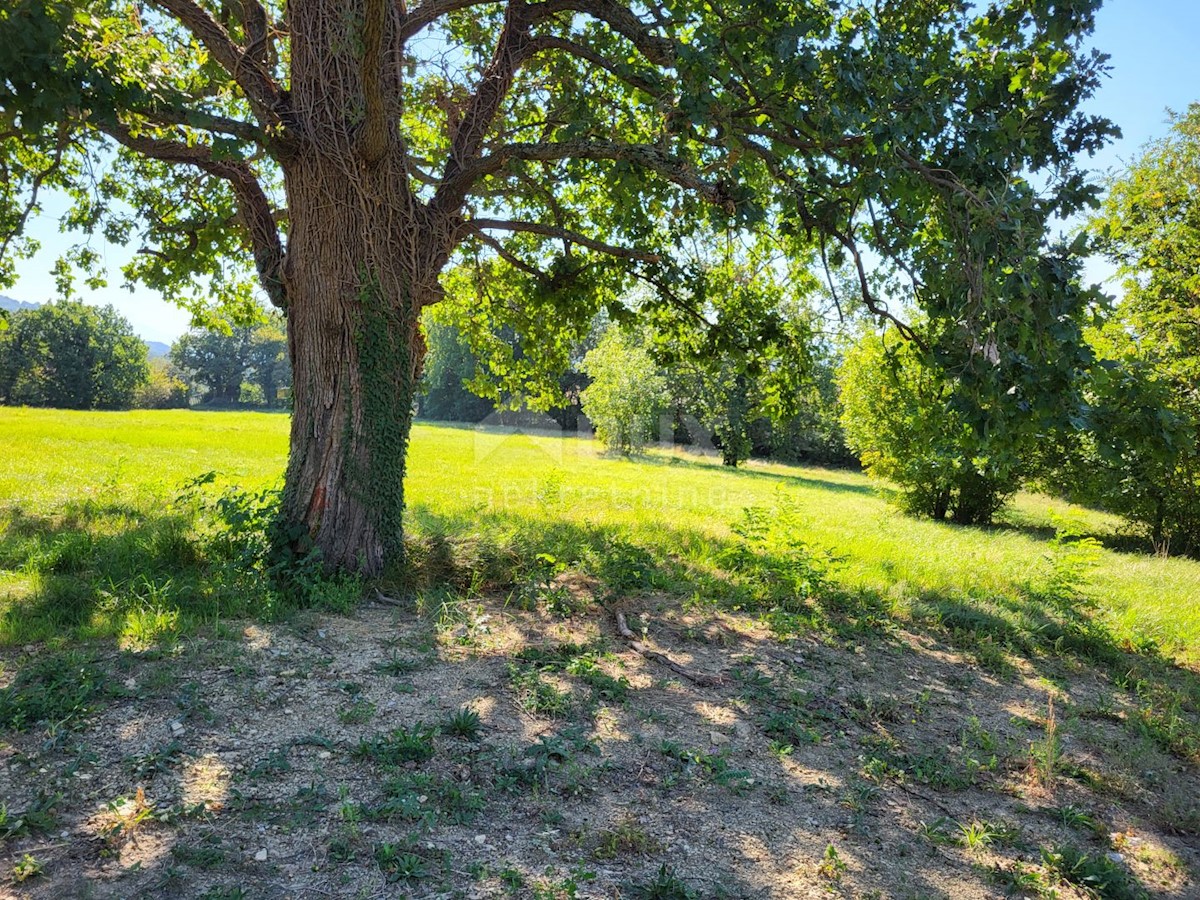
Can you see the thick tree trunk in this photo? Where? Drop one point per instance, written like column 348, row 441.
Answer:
column 358, row 275
column 363, row 259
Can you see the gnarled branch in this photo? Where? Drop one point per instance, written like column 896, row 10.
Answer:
column 246, row 70
column 430, row 11
column 544, row 43
column 508, row 256
column 210, row 122
column 668, row 166
column 657, row 49
column 563, row 234
column 255, row 208
column 485, row 104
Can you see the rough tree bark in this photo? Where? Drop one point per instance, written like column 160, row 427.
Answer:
column 363, row 260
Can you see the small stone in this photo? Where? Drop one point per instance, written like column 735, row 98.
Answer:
column 716, row 738
column 320, row 633
column 324, row 754
column 288, row 673
column 481, row 839
column 1115, row 856
column 130, row 683
column 177, row 728
column 261, row 855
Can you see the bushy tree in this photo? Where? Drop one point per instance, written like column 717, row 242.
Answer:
column 814, row 432
column 163, row 389
column 214, row 364
column 224, row 365
column 1139, row 454
column 738, row 350
column 73, row 356
column 627, row 391
column 268, row 366
column 900, row 417
column 450, row 367
column 1149, row 226
column 344, row 154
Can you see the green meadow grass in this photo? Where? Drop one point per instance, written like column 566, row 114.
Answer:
column 93, row 544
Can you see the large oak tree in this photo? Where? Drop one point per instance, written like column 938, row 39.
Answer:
column 345, row 152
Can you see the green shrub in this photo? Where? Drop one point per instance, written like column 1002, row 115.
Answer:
column 1139, row 456
column 899, row 416
column 163, row 389
column 626, row 394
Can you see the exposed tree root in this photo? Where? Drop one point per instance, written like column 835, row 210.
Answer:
column 698, row 678
column 383, row 598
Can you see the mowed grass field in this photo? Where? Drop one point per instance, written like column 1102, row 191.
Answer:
column 112, row 475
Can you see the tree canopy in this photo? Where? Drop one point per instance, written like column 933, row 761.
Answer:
column 72, row 356
column 341, row 155
column 1149, row 226
column 1140, row 453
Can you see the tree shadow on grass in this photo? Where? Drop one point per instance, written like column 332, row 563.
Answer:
column 1046, row 629
column 1121, row 541
column 800, row 676
column 1045, row 619
column 98, row 569
column 812, row 477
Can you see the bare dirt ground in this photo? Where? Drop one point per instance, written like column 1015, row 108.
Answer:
column 330, row 757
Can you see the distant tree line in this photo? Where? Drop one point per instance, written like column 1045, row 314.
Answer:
column 70, row 355
column 245, row 366
column 637, row 386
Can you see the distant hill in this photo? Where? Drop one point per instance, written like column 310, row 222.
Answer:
column 14, row 305
column 153, row 348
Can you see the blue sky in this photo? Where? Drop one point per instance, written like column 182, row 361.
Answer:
column 1153, row 48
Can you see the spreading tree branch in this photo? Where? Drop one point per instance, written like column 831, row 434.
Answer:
column 246, row 70
column 658, row 50
column 430, row 11
column 825, row 227
column 210, row 122
column 513, row 48
column 481, row 111
column 645, row 156
column 508, row 256
column 62, row 141
column 255, row 208
column 545, row 43
column 563, row 234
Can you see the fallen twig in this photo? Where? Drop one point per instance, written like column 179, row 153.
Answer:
column 698, row 678
column 389, row 601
